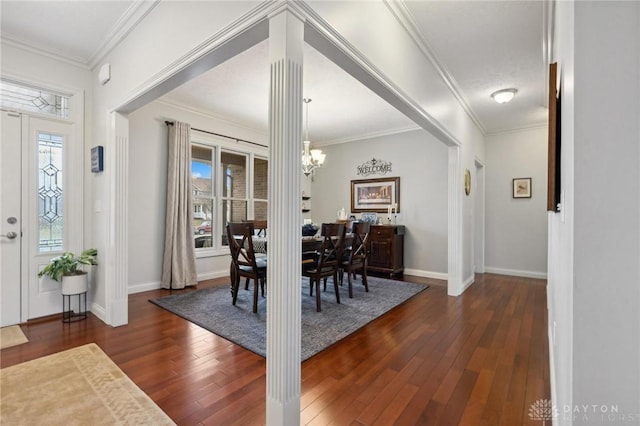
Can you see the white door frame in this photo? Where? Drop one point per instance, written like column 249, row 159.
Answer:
column 479, row 219
column 75, row 239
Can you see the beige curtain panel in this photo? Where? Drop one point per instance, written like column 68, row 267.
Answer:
column 179, row 262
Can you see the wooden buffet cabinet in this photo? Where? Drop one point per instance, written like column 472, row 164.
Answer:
column 386, row 249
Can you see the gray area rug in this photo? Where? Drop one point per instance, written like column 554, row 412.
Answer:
column 211, row 309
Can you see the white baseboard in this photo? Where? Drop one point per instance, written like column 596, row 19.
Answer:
column 99, row 311
column 427, row 274
column 467, row 283
column 552, row 369
column 155, row 285
column 516, row 273
column 212, row 275
column 139, row 288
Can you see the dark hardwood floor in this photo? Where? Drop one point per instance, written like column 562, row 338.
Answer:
column 478, row 359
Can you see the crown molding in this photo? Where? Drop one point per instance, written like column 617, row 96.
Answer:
column 127, row 22
column 319, row 34
column 405, row 18
column 225, row 119
column 38, row 49
column 517, row 130
column 253, row 26
column 212, row 116
column 371, row 135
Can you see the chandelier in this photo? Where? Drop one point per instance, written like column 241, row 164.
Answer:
column 311, row 158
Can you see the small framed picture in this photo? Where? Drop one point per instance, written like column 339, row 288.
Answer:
column 522, row 188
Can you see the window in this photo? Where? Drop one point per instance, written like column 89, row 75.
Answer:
column 260, row 190
column 202, row 173
column 15, row 96
column 227, row 186
column 50, row 205
column 234, row 189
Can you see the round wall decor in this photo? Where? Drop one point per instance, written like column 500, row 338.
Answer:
column 467, row 182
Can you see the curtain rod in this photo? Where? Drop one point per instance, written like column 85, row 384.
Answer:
column 170, row 123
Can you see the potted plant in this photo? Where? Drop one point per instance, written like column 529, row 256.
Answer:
column 66, row 268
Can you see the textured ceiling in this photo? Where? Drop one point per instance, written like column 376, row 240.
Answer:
column 488, row 46
column 482, row 46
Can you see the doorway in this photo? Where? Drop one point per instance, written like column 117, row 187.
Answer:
column 37, row 200
column 478, row 225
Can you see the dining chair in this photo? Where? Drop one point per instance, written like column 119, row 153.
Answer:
column 327, row 261
column 354, row 259
column 244, row 262
column 259, row 226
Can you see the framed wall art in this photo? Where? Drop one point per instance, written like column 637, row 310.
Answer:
column 554, row 142
column 375, row 195
column 467, row 182
column 522, row 188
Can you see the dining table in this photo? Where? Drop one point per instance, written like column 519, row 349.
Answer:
column 310, row 247
column 309, row 244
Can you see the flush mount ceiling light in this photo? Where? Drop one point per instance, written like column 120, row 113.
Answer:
column 503, row 96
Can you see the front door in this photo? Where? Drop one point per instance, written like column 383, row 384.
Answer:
column 49, row 210
column 10, row 219
column 41, row 181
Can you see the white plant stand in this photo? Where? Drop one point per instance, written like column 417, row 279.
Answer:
column 74, row 286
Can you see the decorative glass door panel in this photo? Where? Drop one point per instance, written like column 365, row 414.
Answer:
column 50, row 192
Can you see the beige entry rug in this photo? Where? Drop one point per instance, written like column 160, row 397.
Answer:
column 79, row 386
column 12, row 336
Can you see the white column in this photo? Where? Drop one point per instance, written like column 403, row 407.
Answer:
column 115, row 257
column 286, row 32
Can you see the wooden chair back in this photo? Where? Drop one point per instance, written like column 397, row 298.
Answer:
column 327, row 262
column 332, row 245
column 259, row 226
column 360, row 237
column 243, row 260
column 241, row 244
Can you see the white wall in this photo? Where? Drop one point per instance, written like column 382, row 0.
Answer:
column 594, row 243
column 46, row 71
column 420, row 161
column 560, row 253
column 157, row 43
column 607, row 206
column 385, row 41
column 516, row 228
column 148, row 153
